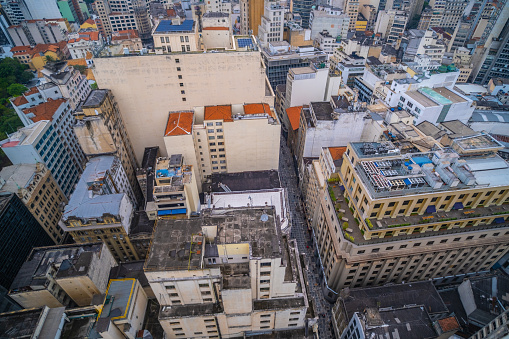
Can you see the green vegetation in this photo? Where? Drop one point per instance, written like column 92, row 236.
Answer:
column 12, row 76
column 351, row 210
column 332, row 195
column 347, row 200
column 399, row 225
column 80, row 68
column 356, row 220
column 340, row 216
column 349, row 237
column 332, row 180
column 503, row 212
column 345, row 225
column 368, row 222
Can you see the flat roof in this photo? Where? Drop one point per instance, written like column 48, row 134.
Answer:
column 421, row 99
column 175, row 242
column 116, row 302
column 20, row 324
column 322, row 110
column 302, row 70
column 166, row 26
column 244, row 181
column 449, row 95
column 17, row 176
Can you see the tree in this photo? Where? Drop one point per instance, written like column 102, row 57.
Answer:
column 15, row 90
column 94, row 85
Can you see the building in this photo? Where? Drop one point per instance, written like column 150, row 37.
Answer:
column 372, row 311
column 101, row 209
column 129, row 14
column 182, row 76
column 33, row 32
column 101, row 9
column 351, row 67
column 55, row 276
column 326, row 42
column 100, row 130
column 127, row 39
column 38, row 56
column 176, row 35
column 351, row 8
column 219, row 6
column 329, row 19
column 32, row 323
column 272, row 24
column 424, row 226
column 19, row 10
column 227, row 280
column 175, row 189
column 251, row 13
column 82, row 43
column 123, row 311
column 51, row 143
column 303, row 9
column 216, row 30
column 497, row 328
column 20, row 233
column 280, row 57
column 71, row 83
column 452, row 12
column 36, row 187
column 391, row 24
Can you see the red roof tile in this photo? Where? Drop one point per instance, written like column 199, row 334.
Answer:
column 45, row 110
column 449, row 324
column 294, row 116
column 32, row 91
column 221, row 112
column 89, row 21
column 256, row 109
column 179, row 123
column 337, row 152
column 18, row 101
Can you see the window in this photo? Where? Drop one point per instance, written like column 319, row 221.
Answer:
column 265, row 264
column 182, row 92
column 181, row 39
column 177, row 61
column 184, row 99
column 162, row 40
column 375, row 250
column 180, row 76
column 181, row 84
column 178, row 69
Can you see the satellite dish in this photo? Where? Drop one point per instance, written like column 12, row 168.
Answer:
column 264, row 217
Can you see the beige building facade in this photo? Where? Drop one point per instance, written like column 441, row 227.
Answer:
column 177, row 82
column 36, row 187
column 176, row 35
column 226, row 285
column 387, row 216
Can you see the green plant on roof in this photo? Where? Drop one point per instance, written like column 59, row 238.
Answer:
column 368, row 222
column 345, row 225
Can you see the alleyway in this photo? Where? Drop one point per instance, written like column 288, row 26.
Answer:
column 287, row 173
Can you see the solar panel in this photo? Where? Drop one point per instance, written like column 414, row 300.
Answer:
column 244, row 42
column 166, row 26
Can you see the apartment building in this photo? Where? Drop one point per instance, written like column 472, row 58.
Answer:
column 219, row 6
column 216, row 30
column 71, row 83
column 36, row 187
column 452, row 12
column 101, row 8
column 52, row 143
column 100, row 130
column 303, row 9
column 82, row 43
column 437, row 213
column 352, row 10
column 54, row 276
column 175, row 189
column 20, row 233
column 215, row 279
column 271, row 26
column 213, row 138
column 331, row 19
column 176, row 35
column 101, row 209
column 19, row 10
column 177, row 83
column 33, row 32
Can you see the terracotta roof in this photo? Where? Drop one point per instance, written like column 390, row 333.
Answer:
column 32, row 91
column 125, row 34
column 89, row 55
column 11, row 144
column 294, row 116
column 337, row 152
column 256, row 109
column 18, row 101
column 221, row 112
column 79, row 62
column 45, row 110
column 215, row 28
column 449, row 324
column 179, row 123
column 87, row 36
column 89, row 21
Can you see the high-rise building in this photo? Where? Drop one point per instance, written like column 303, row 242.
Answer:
column 303, row 8
column 251, row 13
column 271, row 27
column 33, row 32
column 329, row 19
column 394, row 216
column 214, row 277
column 19, row 10
column 57, row 275
column 176, row 83
column 452, row 12
column 352, row 10
column 20, row 233
column 101, row 208
column 102, row 9
column 101, row 131
column 36, row 187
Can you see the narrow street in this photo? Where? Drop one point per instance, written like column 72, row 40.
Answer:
column 288, row 175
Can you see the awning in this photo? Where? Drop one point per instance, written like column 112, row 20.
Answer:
column 431, row 209
column 458, row 206
column 170, row 212
column 499, row 220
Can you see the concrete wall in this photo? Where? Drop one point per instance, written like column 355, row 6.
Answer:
column 36, row 299
column 207, row 78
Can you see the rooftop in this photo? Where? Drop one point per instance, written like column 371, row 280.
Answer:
column 177, row 244
column 181, row 311
column 17, row 176
column 21, row 324
column 167, row 26
column 257, row 109
column 45, row 110
column 421, row 98
column 220, row 112
column 179, row 123
column 278, row 303
column 243, row 181
column 70, row 260
column 293, row 114
column 116, row 302
column 95, row 98
column 322, row 110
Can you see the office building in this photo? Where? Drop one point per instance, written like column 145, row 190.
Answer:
column 351, row 67
column 71, row 83
column 303, row 9
column 329, row 19
column 101, row 208
column 33, row 32
column 372, row 311
column 251, row 13
column 178, row 85
column 280, row 57
column 452, row 12
column 100, row 130
column 212, row 278
column 127, row 296
column 101, row 9
column 391, row 24
column 36, row 187
column 52, row 143
column 351, row 8
column 129, row 14
column 176, row 35
column 20, row 233
column 271, row 26
column 19, row 10
column 212, row 138
column 55, row 276
column 420, row 224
